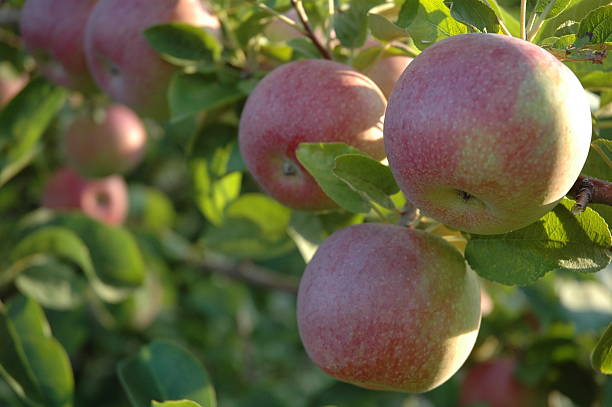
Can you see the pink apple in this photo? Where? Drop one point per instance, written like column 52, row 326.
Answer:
column 111, row 144
column 105, row 199
column 121, row 60
column 53, row 32
column 493, row 383
column 386, row 71
column 388, row 308
column 486, row 133
column 307, row 101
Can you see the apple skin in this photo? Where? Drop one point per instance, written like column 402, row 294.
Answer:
column 492, row 382
column 388, row 308
column 386, row 71
column 53, row 32
column 113, row 145
column 311, row 100
column 486, row 133
column 121, row 60
column 105, row 199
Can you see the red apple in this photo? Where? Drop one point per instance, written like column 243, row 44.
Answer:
column 53, row 31
column 386, row 71
column 121, row 60
column 493, row 383
column 102, row 146
column 486, row 133
column 388, row 308
column 307, row 101
column 105, row 199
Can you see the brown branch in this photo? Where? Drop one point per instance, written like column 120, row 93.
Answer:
column 590, row 190
column 299, row 8
column 250, row 273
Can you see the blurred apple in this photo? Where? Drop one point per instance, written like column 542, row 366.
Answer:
column 386, row 71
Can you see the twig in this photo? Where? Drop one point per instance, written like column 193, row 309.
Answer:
column 590, row 190
column 282, row 17
column 250, row 273
column 299, row 8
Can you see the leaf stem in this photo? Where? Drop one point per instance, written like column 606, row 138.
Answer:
column 533, row 31
column 299, row 8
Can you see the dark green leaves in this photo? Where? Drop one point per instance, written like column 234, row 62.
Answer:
column 597, row 25
column 351, row 25
column 476, row 14
column 554, row 9
column 601, row 358
column 428, row 21
column 33, row 362
column 163, row 371
column 559, row 240
column 383, row 29
column 23, row 122
column 183, row 42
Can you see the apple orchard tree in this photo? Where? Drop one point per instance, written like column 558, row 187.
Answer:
column 305, row 203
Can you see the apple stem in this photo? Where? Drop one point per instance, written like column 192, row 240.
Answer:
column 299, row 8
column 523, row 12
column 590, row 190
column 409, row 215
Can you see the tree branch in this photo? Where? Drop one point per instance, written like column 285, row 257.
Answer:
column 590, row 190
column 299, row 8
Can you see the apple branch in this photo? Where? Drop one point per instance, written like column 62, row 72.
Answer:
column 299, row 8
column 590, row 190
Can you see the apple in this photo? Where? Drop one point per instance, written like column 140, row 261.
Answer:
column 111, row 144
column 493, row 383
column 386, row 71
column 486, row 133
column 120, row 58
column 311, row 100
column 105, row 199
column 53, row 32
column 386, row 307
column 11, row 84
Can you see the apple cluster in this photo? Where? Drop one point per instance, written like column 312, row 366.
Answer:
column 484, row 133
column 84, row 44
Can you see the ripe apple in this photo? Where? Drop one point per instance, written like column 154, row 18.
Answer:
column 486, row 133
column 121, row 60
column 388, row 308
column 307, row 101
column 493, row 383
column 111, row 144
column 386, row 71
column 53, row 31
column 105, row 199
column 11, row 84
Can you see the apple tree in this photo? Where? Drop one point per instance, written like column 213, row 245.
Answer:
column 305, row 203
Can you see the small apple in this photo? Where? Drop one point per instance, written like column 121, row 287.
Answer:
column 388, row 308
column 11, row 84
column 486, row 133
column 493, row 383
column 111, row 144
column 53, row 32
column 386, row 71
column 311, row 100
column 120, row 58
column 105, row 199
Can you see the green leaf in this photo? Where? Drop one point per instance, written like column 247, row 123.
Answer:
column 597, row 25
column 601, row 358
column 32, row 361
column 22, row 123
column 557, row 8
column 150, row 209
column 303, row 47
column 366, row 176
column 559, row 240
column 254, row 226
column 163, row 371
column 319, row 159
column 383, row 29
column 475, row 13
column 189, row 94
column 53, row 284
column 176, row 403
column 183, row 42
column 576, row 11
column 428, row 21
column 599, row 160
column 351, row 25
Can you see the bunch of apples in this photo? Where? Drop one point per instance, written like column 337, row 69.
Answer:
column 84, row 44
column 484, row 133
